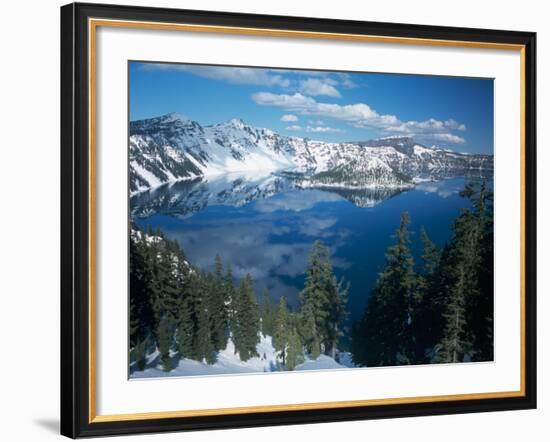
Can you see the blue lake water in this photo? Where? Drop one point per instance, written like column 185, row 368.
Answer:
column 266, row 226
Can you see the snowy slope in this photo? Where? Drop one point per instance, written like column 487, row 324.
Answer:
column 229, row 363
column 173, row 148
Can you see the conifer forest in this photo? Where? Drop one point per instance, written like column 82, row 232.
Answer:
column 429, row 304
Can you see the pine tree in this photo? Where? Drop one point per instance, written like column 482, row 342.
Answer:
column 386, row 327
column 168, row 284
column 308, row 331
column 467, row 263
column 428, row 306
column 165, row 338
column 267, row 315
column 217, row 306
column 246, row 320
column 138, row 342
column 280, row 332
column 142, row 321
column 338, row 298
column 430, row 256
column 323, row 301
column 230, row 294
column 295, row 349
column 204, row 348
column 186, row 329
column 455, row 344
column 482, row 306
column 195, row 327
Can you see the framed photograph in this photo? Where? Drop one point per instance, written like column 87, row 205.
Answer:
column 274, row 220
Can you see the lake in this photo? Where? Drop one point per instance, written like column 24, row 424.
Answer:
column 265, row 226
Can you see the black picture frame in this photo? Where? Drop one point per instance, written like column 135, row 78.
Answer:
column 75, row 220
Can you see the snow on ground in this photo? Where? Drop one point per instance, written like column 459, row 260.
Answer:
column 323, row 362
column 346, row 359
column 229, row 363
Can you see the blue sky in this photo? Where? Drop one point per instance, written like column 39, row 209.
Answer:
column 451, row 112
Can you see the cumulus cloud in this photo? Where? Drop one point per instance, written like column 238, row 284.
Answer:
column 232, row 75
column 452, row 124
column 346, row 81
column 318, row 86
column 314, row 129
column 289, row 118
column 322, row 129
column 315, row 82
column 362, row 115
column 451, row 138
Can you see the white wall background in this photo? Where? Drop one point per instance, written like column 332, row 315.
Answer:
column 29, row 221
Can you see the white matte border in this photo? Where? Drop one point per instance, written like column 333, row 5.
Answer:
column 115, row 394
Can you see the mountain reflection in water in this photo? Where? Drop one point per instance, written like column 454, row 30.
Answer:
column 266, row 225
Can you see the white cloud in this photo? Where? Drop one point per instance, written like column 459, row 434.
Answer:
column 346, row 81
column 451, row 138
column 316, row 86
column 297, row 101
column 232, row 75
column 314, row 129
column 322, row 129
column 359, row 113
column 362, row 115
column 289, row 118
column 452, row 124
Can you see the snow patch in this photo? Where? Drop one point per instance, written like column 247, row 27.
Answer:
column 228, row 362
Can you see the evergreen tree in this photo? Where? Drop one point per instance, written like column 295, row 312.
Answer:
column 322, row 301
column 308, row 331
column 231, row 300
column 338, row 298
column 169, row 280
column 482, row 306
column 204, row 347
column 267, row 315
column 194, row 335
column 280, row 332
column 430, row 256
column 186, row 329
column 295, row 349
column 141, row 319
column 164, row 339
column 386, row 327
column 467, row 266
column 246, row 320
column 428, row 306
column 217, row 306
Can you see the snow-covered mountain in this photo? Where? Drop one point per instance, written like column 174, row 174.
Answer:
column 173, row 148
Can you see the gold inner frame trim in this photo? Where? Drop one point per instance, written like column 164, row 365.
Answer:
column 93, row 24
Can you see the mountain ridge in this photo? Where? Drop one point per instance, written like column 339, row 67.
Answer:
column 172, row 148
